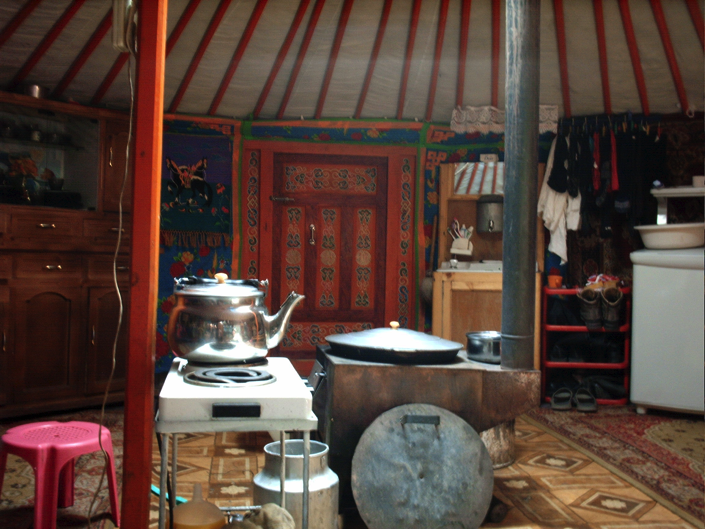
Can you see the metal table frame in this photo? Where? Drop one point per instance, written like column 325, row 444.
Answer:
column 166, row 428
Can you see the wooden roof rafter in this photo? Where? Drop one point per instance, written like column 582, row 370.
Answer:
column 634, row 54
column 46, row 43
column 283, row 51
column 17, row 20
column 697, row 16
column 237, row 56
column 562, row 56
column 440, row 35
column 85, row 53
column 381, row 28
column 413, row 27
column 332, row 58
column 657, row 8
column 310, row 28
column 184, row 19
column 200, row 51
column 602, row 52
column 462, row 51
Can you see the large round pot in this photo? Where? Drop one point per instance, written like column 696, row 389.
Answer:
column 221, row 321
column 394, row 345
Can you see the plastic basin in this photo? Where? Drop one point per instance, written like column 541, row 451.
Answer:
column 667, row 236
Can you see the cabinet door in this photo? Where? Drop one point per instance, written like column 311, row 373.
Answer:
column 114, row 162
column 48, row 359
column 104, row 311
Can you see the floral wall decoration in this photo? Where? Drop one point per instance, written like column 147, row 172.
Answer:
column 196, row 213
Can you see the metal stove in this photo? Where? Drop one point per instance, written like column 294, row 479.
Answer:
column 265, row 396
column 272, row 391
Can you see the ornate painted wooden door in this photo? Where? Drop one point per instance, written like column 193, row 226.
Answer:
column 329, row 232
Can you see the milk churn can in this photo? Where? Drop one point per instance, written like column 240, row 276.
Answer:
column 323, row 483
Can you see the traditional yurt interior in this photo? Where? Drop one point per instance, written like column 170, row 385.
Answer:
column 451, row 249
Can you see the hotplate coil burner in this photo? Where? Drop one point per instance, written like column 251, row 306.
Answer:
column 229, row 377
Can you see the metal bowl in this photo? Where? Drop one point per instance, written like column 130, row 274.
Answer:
column 484, row 346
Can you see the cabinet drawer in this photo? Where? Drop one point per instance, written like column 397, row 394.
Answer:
column 44, row 225
column 105, row 230
column 48, row 266
column 100, row 268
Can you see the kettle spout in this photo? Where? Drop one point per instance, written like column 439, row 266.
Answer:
column 276, row 325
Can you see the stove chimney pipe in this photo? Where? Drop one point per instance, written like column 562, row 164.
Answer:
column 520, row 188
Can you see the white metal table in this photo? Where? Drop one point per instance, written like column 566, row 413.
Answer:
column 166, row 428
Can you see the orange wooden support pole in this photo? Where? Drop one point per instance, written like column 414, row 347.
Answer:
column 146, row 189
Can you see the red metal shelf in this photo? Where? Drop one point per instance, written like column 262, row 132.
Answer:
column 547, row 365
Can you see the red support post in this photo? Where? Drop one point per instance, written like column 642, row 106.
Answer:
column 144, row 263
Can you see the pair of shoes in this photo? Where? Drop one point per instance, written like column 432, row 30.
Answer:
column 561, row 400
column 601, row 308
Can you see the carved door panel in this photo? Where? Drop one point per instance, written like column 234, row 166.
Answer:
column 329, row 233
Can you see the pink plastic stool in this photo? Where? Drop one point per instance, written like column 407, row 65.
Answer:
column 51, row 448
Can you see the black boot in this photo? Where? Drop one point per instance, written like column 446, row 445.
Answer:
column 612, row 301
column 590, row 310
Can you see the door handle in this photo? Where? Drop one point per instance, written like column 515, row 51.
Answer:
column 312, row 240
column 93, row 335
column 280, row 199
column 52, row 267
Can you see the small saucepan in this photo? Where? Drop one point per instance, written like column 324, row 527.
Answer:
column 484, row 346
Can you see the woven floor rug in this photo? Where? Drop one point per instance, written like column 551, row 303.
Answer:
column 660, row 453
column 17, row 501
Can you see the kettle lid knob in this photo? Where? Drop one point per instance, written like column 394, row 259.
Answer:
column 221, row 277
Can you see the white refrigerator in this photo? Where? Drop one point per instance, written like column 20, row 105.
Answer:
column 668, row 325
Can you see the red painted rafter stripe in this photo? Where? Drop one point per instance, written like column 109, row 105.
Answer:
column 496, row 6
column 440, row 35
column 463, row 51
column 109, row 78
column 373, row 58
column 335, row 49
column 413, row 27
column 482, row 181
column 237, row 56
column 562, row 55
column 85, row 53
column 181, row 25
column 670, row 54
column 460, row 180
column 300, row 56
column 494, row 178
column 17, row 21
column 697, row 16
column 200, row 51
column 46, row 43
column 283, row 51
column 634, row 54
column 472, row 178
column 602, row 50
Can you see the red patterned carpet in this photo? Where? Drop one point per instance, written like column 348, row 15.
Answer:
column 661, row 453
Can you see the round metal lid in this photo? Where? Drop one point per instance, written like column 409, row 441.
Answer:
column 219, row 287
column 424, row 467
column 394, row 338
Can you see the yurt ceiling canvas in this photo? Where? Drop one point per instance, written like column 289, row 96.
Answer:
column 337, row 59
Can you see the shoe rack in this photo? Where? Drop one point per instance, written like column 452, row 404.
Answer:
column 550, row 333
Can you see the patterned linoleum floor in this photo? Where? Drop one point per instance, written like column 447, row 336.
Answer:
column 548, row 485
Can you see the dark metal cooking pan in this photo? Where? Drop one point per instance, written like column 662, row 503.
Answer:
column 393, row 345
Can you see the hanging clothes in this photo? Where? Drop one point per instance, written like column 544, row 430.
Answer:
column 559, row 210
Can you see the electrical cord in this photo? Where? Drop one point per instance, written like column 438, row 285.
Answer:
column 115, row 283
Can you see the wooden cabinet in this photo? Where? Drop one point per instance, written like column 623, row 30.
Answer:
column 58, row 306
column 472, row 301
column 116, row 136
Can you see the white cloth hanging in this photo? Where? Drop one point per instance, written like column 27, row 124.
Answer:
column 560, row 211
